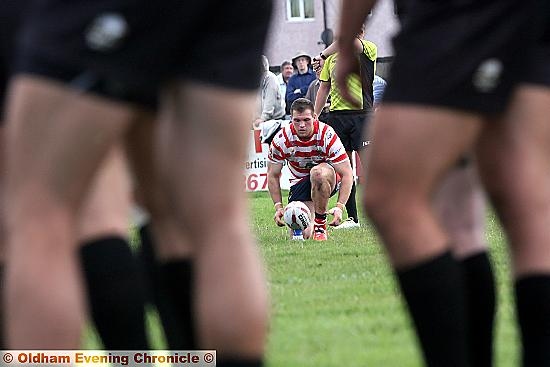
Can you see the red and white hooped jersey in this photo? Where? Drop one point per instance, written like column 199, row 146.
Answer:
column 302, row 155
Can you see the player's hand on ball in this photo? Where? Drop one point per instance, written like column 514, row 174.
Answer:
column 278, row 218
column 337, row 213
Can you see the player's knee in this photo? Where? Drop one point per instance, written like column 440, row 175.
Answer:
column 318, row 176
column 315, row 174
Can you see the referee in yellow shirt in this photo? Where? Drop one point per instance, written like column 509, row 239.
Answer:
column 345, row 118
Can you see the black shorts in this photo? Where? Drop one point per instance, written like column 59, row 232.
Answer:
column 350, row 126
column 301, row 190
column 11, row 15
column 129, row 49
column 463, row 54
column 537, row 71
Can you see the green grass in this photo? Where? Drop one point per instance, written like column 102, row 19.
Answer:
column 336, row 303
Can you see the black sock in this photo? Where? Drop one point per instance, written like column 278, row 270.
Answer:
column 115, row 292
column 149, row 263
column 434, row 292
column 239, row 363
column 480, row 304
column 170, row 286
column 351, row 205
column 2, row 290
column 533, row 309
column 177, row 282
column 321, row 217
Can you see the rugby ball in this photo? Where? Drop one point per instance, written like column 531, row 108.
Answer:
column 297, row 215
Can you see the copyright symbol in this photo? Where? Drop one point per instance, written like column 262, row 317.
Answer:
column 7, row 358
column 208, row 358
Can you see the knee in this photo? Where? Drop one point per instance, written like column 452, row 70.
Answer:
column 318, row 177
column 315, row 174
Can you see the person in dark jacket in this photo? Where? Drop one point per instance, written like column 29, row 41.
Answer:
column 299, row 83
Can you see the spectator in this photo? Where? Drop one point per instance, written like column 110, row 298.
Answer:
column 282, row 78
column 299, row 82
column 269, row 98
column 378, row 86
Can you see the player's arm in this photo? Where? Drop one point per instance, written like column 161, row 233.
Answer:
column 353, row 14
column 319, row 60
column 322, row 95
column 344, row 170
column 274, row 186
column 333, row 48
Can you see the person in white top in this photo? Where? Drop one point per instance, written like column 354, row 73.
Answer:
column 287, row 70
column 318, row 164
column 268, row 104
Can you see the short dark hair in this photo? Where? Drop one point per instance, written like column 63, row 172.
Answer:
column 285, row 63
column 302, row 104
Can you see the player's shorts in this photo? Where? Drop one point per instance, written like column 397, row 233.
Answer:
column 11, row 13
column 301, row 190
column 537, row 71
column 350, row 126
column 129, row 49
column 462, row 54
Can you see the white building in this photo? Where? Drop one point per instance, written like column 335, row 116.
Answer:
column 297, row 25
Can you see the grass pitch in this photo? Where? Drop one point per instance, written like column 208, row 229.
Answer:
column 336, row 303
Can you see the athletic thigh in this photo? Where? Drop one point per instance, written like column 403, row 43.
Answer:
column 201, row 144
column 514, row 156
column 460, row 206
column 412, row 146
column 514, row 159
column 106, row 208
column 170, row 241
column 60, row 137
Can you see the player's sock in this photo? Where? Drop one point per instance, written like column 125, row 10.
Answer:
column 2, row 290
column 320, row 218
column 177, row 280
column 351, row 205
column 320, row 221
column 434, row 291
column 149, row 263
column 533, row 310
column 116, row 293
column 178, row 336
column 480, row 302
column 240, row 363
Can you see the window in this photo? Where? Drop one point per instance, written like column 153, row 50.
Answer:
column 300, row 9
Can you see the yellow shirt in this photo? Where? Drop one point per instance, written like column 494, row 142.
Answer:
column 368, row 64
